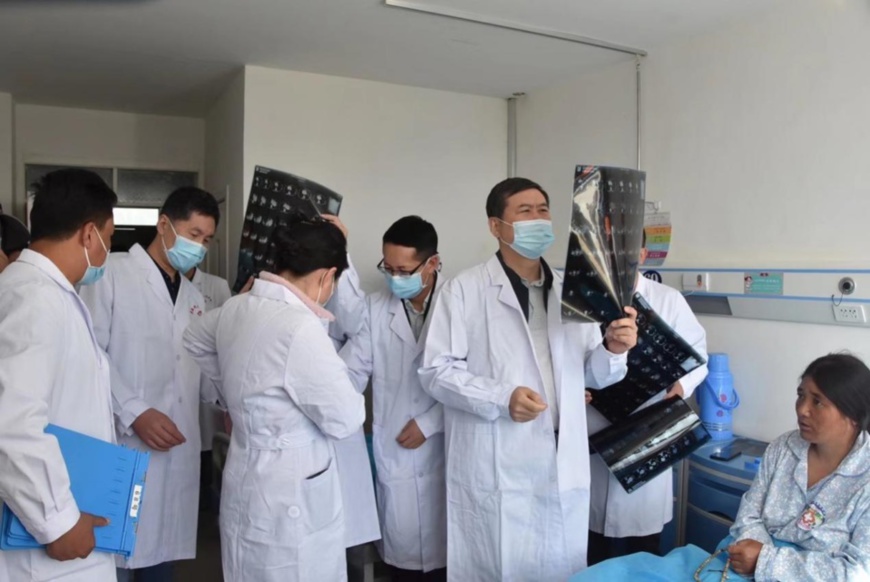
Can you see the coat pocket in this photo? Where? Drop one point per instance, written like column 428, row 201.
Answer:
column 321, row 498
column 270, row 528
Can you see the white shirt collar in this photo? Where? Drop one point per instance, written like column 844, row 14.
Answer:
column 47, row 266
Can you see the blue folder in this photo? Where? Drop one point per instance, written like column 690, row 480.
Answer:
column 106, row 480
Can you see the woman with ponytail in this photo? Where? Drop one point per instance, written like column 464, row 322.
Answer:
column 287, row 392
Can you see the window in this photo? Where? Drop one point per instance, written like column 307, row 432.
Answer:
column 149, row 188
column 128, row 216
column 140, row 192
column 33, row 174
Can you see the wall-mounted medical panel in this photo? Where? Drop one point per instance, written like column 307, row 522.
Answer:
column 822, row 296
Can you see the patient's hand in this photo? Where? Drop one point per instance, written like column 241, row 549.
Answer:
column 744, row 556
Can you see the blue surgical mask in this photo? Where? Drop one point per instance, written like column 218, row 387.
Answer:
column 405, row 287
column 185, row 254
column 532, row 238
column 94, row 274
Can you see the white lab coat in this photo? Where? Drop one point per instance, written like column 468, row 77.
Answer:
column 140, row 329
column 348, row 305
column 517, row 506
column 410, row 483
column 613, row 512
column 287, row 392
column 354, row 467
column 215, row 292
column 51, row 371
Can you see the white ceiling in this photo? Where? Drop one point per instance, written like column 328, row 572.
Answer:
column 175, row 56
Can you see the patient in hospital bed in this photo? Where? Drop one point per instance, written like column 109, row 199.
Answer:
column 807, row 515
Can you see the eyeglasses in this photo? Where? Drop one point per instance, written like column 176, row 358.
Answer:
column 398, row 273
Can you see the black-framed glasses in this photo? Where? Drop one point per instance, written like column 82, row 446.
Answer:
column 394, row 273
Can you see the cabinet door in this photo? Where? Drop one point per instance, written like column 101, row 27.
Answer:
column 705, row 529
column 717, row 498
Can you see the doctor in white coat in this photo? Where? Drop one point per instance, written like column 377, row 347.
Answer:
column 289, row 395
column 140, row 310
column 623, row 523
column 215, row 292
column 511, row 376
column 52, row 370
column 408, row 424
column 348, row 304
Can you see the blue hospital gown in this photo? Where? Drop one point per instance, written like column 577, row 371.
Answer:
column 829, row 522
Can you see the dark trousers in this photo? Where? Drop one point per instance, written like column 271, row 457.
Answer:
column 159, row 573
column 206, row 502
column 399, row 575
column 603, row 548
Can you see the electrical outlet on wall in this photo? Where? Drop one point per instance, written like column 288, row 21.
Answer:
column 850, row 313
column 696, row 281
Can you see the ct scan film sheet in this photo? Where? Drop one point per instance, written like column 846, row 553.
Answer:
column 601, row 270
column 604, row 243
column 275, row 196
column 660, row 358
column 649, row 442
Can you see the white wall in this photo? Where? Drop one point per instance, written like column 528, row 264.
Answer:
column 7, row 143
column 390, row 150
column 588, row 120
column 58, row 135
column 756, row 133
column 224, row 170
column 756, row 139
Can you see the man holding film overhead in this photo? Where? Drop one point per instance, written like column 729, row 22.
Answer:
column 623, row 523
column 511, row 376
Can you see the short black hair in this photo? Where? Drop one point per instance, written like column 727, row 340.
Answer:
column 496, row 202
column 68, row 199
column 416, row 233
column 184, row 201
column 845, row 381
column 14, row 236
column 304, row 245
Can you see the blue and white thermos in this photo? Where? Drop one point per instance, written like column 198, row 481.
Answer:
column 717, row 398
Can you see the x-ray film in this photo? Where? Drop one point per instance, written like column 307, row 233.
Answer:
column 649, row 442
column 274, row 197
column 660, row 358
column 604, row 244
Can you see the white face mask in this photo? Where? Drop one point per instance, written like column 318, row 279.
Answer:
column 532, row 238
column 320, row 290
